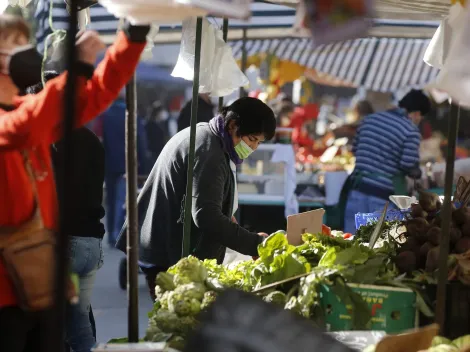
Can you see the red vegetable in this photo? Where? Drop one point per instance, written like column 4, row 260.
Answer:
column 347, row 235
column 326, row 230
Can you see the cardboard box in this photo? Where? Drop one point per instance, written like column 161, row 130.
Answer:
column 308, row 222
column 393, row 309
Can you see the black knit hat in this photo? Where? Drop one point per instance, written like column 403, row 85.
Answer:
column 415, row 100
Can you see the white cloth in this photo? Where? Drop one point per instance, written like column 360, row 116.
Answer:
column 285, row 154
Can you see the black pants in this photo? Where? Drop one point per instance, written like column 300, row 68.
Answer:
column 150, row 277
column 22, row 331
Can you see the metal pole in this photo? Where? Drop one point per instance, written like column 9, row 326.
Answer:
column 244, row 60
column 131, row 206
column 62, row 254
column 186, row 250
column 446, row 216
column 224, row 33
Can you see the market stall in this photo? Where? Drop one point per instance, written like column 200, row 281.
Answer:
column 337, row 280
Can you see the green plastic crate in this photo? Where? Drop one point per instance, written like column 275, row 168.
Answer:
column 393, row 309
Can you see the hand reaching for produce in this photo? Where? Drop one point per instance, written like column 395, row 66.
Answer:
column 263, row 234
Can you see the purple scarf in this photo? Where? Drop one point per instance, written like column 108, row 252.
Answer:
column 218, row 126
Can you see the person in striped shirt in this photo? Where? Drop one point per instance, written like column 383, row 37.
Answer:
column 387, row 150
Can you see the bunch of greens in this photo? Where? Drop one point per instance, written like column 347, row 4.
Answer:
column 181, row 293
column 191, row 285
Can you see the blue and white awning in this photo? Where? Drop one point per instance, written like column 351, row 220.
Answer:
column 378, row 64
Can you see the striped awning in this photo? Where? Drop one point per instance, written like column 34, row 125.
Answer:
column 378, row 64
column 267, row 21
column 346, row 61
column 398, row 64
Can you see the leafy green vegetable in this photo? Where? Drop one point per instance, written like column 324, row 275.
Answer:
column 188, row 270
column 165, row 281
column 439, row 340
column 461, row 342
column 276, row 297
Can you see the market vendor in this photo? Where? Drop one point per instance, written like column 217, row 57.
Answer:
column 387, row 150
column 221, row 144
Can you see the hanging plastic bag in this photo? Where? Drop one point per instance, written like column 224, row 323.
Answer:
column 226, row 75
column 336, row 20
column 438, row 49
column 219, row 74
column 454, row 77
column 184, row 67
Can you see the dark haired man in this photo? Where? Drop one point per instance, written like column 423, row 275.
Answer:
column 221, row 144
column 387, row 150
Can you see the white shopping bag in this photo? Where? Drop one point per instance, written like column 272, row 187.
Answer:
column 219, row 74
column 454, row 78
column 438, row 49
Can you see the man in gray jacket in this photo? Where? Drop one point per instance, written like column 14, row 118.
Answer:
column 221, row 144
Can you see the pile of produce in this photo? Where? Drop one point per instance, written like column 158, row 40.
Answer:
column 441, row 344
column 191, row 285
column 420, row 250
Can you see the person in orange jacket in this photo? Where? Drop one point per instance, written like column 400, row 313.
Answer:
column 32, row 123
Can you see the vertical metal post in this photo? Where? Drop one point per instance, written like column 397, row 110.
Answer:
column 62, row 254
column 131, row 206
column 224, row 33
column 446, row 216
column 186, row 250
column 244, row 60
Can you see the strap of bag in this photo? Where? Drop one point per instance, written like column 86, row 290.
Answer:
column 32, row 179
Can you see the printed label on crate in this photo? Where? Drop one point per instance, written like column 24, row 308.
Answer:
column 393, row 310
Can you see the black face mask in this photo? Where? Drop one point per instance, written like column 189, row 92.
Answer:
column 24, row 66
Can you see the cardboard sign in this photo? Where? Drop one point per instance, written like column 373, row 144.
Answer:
column 308, row 222
column 413, row 341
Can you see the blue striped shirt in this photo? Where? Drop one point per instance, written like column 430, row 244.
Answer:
column 386, row 143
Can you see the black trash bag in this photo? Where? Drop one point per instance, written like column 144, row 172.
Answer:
column 242, row 322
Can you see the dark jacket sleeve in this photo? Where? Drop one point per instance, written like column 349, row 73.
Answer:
column 208, row 191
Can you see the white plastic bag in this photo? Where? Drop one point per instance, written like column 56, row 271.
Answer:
column 219, row 74
column 454, row 78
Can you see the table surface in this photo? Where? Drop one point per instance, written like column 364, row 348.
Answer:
column 273, row 200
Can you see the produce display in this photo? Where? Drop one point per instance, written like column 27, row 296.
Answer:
column 191, row 285
column 420, row 250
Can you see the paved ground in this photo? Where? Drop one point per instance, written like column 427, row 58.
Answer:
column 110, row 302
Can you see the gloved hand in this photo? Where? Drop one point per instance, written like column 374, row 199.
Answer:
column 137, row 34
